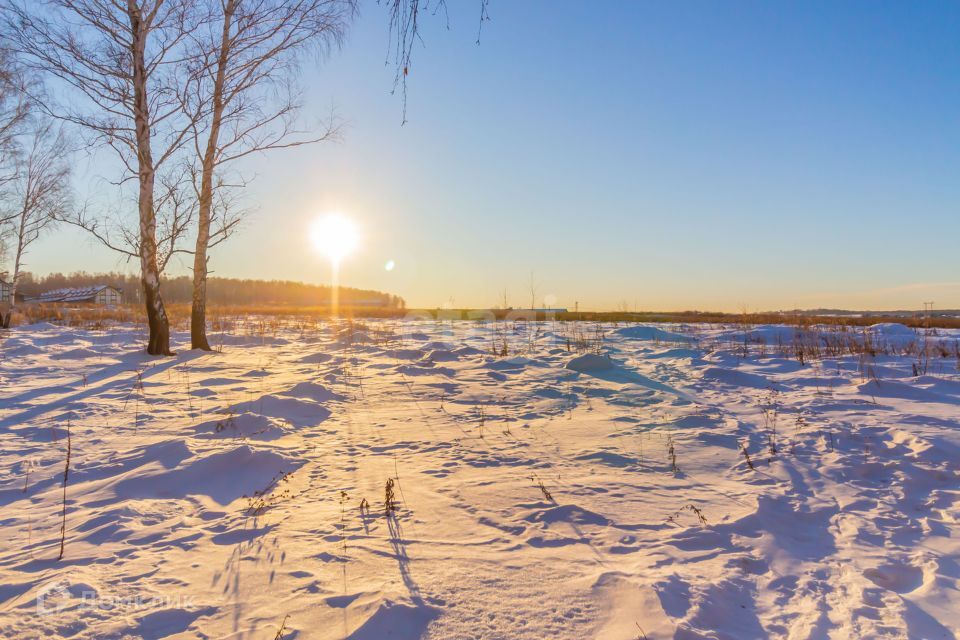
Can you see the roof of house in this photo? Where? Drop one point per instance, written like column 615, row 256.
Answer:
column 78, row 294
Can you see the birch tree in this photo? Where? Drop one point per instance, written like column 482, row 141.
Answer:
column 242, row 101
column 119, row 64
column 39, row 195
column 14, row 109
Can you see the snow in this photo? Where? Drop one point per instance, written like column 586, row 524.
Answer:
column 217, row 495
column 590, row 362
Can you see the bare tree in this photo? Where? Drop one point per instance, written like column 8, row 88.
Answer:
column 14, row 109
column 42, row 191
column 175, row 210
column 120, row 62
column 241, row 101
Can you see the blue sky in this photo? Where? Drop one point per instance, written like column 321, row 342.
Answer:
column 705, row 155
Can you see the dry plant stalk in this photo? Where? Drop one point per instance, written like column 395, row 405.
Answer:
column 283, row 627
column 268, row 497
column 746, row 456
column 672, row 454
column 543, row 489
column 389, row 498
column 66, row 477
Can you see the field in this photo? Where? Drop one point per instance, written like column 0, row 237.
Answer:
column 426, row 479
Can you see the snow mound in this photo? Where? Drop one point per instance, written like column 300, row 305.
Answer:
column 75, row 354
column 889, row 329
column 249, row 340
column 397, row 621
column 568, row 513
column 619, row 599
column 775, row 334
column 893, row 334
column 404, row 354
column 244, row 425
column 644, row 332
column 437, row 344
column 25, row 349
column 441, row 355
column 42, row 326
column 223, row 477
column 316, row 358
column 294, row 410
column 738, row 378
column 348, row 336
column 512, row 363
column 313, row 391
column 590, row 362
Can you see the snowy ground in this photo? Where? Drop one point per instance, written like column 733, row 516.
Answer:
column 219, row 495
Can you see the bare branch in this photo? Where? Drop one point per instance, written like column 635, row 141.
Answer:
column 404, row 31
column 40, row 189
column 240, row 99
column 120, row 64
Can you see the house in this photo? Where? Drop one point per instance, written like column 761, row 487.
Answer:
column 103, row 294
column 5, row 289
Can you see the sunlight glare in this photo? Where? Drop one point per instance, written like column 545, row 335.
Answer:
column 335, row 236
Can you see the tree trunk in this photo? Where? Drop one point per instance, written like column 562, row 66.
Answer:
column 198, row 311
column 159, row 342
column 13, row 290
column 17, row 260
column 13, row 297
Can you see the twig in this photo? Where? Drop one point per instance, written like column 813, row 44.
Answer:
column 66, row 477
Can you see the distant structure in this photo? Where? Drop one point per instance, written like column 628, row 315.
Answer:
column 103, row 294
column 540, row 310
column 5, row 289
column 364, row 302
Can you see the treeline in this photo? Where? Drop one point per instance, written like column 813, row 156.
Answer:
column 220, row 291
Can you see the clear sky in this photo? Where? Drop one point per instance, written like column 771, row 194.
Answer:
column 655, row 155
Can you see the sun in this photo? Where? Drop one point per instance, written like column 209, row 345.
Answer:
column 335, row 236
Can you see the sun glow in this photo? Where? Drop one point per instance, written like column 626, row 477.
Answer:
column 335, row 236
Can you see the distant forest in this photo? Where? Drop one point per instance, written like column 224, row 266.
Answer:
column 224, row 291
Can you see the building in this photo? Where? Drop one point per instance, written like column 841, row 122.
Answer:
column 103, row 294
column 5, row 289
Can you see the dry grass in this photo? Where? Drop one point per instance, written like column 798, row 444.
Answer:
column 814, row 338
column 179, row 313
column 220, row 317
column 271, row 495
